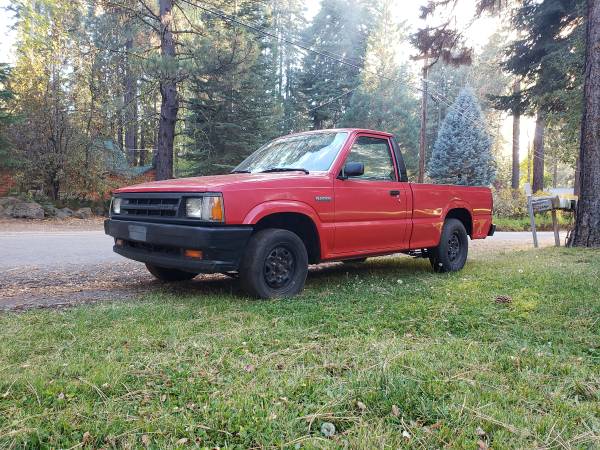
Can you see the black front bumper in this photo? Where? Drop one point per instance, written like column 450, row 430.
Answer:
column 164, row 244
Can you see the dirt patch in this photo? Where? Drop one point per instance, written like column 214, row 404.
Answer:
column 51, row 224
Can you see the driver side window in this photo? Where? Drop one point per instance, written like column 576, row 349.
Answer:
column 375, row 154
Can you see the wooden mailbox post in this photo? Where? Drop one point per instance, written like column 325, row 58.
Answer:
column 536, row 205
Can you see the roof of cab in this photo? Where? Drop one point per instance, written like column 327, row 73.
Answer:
column 346, row 130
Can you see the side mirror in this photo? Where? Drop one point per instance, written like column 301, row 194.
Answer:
column 352, row 169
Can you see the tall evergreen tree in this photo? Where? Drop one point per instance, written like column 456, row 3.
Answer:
column 341, row 28
column 7, row 158
column 233, row 106
column 462, row 153
column 384, row 100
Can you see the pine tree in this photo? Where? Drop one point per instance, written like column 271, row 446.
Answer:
column 234, row 105
column 462, row 153
column 385, row 100
column 7, row 160
column 340, row 28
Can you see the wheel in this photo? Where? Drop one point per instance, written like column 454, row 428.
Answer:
column 354, row 261
column 165, row 274
column 451, row 254
column 275, row 264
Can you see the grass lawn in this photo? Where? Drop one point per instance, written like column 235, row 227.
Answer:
column 543, row 222
column 389, row 353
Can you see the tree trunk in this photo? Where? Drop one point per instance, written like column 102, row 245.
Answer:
column 577, row 181
column 538, row 153
column 587, row 223
column 423, row 133
column 168, row 92
column 130, row 104
column 516, row 137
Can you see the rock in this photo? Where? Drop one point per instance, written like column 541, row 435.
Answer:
column 27, row 210
column 51, row 211
column 99, row 211
column 5, row 201
column 327, row 429
column 83, row 213
column 63, row 213
column 7, row 205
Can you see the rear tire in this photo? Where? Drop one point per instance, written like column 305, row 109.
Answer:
column 166, row 274
column 451, row 254
column 274, row 265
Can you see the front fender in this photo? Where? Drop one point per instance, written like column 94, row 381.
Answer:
column 325, row 232
column 280, row 206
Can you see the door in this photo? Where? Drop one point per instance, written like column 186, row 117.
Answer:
column 371, row 213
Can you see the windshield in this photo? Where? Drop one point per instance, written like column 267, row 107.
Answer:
column 312, row 152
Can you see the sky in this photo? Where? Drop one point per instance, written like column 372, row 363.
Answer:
column 7, row 36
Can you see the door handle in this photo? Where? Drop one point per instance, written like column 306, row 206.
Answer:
column 394, row 193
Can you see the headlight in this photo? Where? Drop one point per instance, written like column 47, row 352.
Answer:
column 116, row 205
column 193, row 208
column 208, row 208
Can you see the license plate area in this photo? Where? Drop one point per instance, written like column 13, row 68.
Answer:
column 137, row 233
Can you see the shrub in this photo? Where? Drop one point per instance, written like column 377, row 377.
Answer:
column 509, row 203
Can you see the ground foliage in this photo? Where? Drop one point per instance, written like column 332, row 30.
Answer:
column 388, row 352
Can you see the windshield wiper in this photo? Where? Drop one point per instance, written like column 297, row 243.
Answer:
column 240, row 171
column 285, row 169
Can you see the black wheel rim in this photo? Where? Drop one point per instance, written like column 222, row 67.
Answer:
column 453, row 247
column 279, row 267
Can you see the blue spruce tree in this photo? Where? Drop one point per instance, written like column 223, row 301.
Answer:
column 462, row 152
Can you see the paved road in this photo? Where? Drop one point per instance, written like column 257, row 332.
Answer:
column 77, row 249
column 55, row 249
column 64, row 267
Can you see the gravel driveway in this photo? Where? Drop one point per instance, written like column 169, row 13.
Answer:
column 52, row 264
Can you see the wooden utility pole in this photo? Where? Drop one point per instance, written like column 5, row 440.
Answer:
column 516, row 137
column 423, row 133
column 168, row 91
column 587, row 223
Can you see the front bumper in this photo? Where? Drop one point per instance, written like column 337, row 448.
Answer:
column 164, row 244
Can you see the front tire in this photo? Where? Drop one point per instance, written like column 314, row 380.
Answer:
column 275, row 264
column 451, row 254
column 166, row 274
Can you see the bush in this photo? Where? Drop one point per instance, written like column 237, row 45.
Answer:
column 509, row 203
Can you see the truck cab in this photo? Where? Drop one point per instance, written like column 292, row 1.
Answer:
column 327, row 195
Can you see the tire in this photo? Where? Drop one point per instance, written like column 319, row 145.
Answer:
column 165, row 274
column 274, row 265
column 354, row 261
column 451, row 254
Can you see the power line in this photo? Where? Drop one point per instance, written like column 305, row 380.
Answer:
column 231, row 19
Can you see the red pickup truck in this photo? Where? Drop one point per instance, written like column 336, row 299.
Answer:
column 328, row 195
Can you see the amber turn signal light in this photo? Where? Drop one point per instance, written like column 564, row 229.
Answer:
column 195, row 254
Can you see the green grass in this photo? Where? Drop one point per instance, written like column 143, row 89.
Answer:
column 543, row 222
column 194, row 365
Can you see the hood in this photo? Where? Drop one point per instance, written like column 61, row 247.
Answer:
column 220, row 182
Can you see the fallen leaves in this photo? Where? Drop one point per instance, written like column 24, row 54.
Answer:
column 503, row 299
column 395, row 411
column 482, row 445
column 145, row 440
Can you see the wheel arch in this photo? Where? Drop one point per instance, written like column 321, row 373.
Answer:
column 297, row 220
column 464, row 215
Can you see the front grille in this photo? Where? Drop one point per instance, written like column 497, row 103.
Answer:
column 150, row 206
